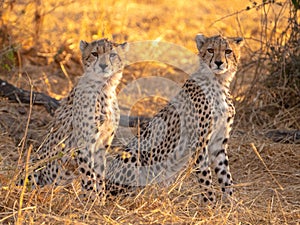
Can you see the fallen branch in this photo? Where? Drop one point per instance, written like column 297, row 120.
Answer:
column 15, row 94
column 284, row 136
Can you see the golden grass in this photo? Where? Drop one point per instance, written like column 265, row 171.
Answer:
column 46, row 35
column 266, row 192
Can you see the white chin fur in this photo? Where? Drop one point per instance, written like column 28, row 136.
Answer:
column 106, row 74
column 219, row 71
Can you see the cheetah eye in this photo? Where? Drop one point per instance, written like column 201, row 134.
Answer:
column 228, row 51
column 95, row 54
column 210, row 50
column 112, row 55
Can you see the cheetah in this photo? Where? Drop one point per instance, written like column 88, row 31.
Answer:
column 191, row 131
column 86, row 120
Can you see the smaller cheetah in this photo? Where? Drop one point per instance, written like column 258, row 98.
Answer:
column 83, row 126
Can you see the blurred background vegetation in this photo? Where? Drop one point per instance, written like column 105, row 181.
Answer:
column 41, row 38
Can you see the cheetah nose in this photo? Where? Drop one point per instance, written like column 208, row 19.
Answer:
column 103, row 66
column 218, row 63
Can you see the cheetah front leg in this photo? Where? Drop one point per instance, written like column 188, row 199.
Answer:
column 203, row 173
column 218, row 158
column 93, row 173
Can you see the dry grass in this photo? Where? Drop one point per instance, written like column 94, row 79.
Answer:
column 43, row 40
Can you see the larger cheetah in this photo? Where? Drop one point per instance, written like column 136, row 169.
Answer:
column 84, row 125
column 191, row 130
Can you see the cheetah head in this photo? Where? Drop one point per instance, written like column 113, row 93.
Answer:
column 219, row 53
column 102, row 57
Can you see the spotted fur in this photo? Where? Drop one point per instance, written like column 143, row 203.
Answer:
column 191, row 130
column 85, row 122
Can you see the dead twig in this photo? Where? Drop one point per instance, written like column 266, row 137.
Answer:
column 20, row 217
column 261, row 159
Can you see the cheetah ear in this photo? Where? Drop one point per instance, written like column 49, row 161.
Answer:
column 83, row 45
column 239, row 41
column 200, row 40
column 125, row 46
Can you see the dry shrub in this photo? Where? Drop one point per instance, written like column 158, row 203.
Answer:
column 272, row 100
